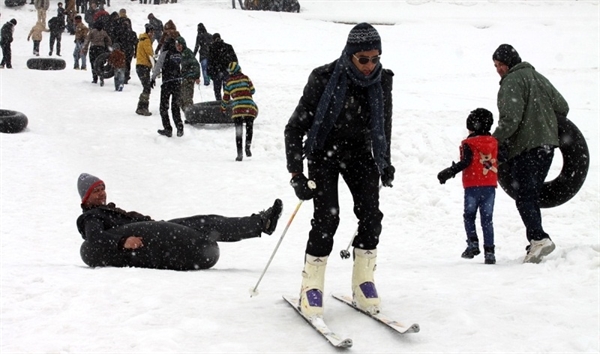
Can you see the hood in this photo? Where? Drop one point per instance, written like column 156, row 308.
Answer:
column 181, row 41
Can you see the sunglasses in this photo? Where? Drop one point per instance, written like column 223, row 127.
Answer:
column 365, row 60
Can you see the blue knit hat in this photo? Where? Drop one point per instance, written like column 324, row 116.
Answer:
column 362, row 38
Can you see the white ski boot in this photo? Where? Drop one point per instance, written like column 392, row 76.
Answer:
column 313, row 280
column 364, row 293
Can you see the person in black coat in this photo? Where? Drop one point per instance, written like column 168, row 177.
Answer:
column 57, row 27
column 169, row 64
column 128, row 40
column 203, row 42
column 119, row 238
column 219, row 57
column 346, row 114
column 6, row 38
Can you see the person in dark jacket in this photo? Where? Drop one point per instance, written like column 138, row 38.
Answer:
column 346, row 114
column 190, row 73
column 128, row 40
column 219, row 57
column 119, row 238
column 528, row 131
column 6, row 38
column 57, row 26
column 203, row 42
column 90, row 13
column 157, row 25
column 169, row 64
column 479, row 166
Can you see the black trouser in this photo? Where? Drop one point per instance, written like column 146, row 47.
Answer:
column 143, row 72
column 218, row 80
column 6, row 55
column 95, row 52
column 55, row 37
column 529, row 170
column 359, row 171
column 170, row 90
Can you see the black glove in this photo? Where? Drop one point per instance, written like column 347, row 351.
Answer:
column 446, row 174
column 300, row 184
column 152, row 83
column 387, row 177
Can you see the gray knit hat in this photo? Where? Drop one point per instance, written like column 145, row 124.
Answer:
column 86, row 184
column 362, row 38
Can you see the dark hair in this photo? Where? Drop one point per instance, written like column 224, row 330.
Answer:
column 480, row 120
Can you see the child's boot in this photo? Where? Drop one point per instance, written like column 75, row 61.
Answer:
column 364, row 293
column 472, row 248
column 313, row 282
column 489, row 254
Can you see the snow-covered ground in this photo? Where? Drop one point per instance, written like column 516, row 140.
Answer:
column 441, row 54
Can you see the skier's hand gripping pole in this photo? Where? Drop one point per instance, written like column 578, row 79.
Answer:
column 254, row 290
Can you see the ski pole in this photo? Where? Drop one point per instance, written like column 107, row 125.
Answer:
column 345, row 254
column 254, row 291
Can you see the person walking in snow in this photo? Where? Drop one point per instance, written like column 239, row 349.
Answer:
column 203, row 42
column 144, row 59
column 6, row 38
column 117, row 60
column 528, row 131
column 190, row 74
column 237, row 93
column 157, row 25
column 81, row 32
column 118, row 238
column 219, row 56
column 98, row 42
column 169, row 65
column 41, row 6
column 346, row 114
column 57, row 27
column 36, row 34
column 479, row 166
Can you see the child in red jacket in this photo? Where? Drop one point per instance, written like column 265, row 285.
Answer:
column 117, row 60
column 479, row 166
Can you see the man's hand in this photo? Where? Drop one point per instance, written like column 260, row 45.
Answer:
column 387, row 177
column 133, row 242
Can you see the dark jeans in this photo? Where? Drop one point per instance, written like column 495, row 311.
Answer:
column 55, row 37
column 143, row 72
column 95, row 52
column 529, row 170
column 6, row 55
column 481, row 198
column 239, row 125
column 170, row 90
column 218, row 81
column 359, row 171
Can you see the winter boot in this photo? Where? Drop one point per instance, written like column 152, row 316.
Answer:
column 364, row 293
column 165, row 132
column 313, row 282
column 489, row 254
column 537, row 249
column 270, row 217
column 248, row 152
column 472, row 249
column 180, row 132
column 143, row 103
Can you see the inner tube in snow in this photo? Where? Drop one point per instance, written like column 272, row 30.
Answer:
column 14, row 3
column 102, row 67
column 207, row 113
column 576, row 162
column 46, row 64
column 166, row 246
column 12, row 121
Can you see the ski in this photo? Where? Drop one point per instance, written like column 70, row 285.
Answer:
column 381, row 318
column 320, row 326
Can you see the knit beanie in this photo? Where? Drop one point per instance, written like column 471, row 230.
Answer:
column 86, row 184
column 363, row 37
column 480, row 121
column 233, row 67
column 507, row 55
column 13, row 21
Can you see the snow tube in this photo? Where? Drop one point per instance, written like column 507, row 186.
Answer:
column 14, row 3
column 207, row 113
column 166, row 246
column 46, row 64
column 102, row 67
column 576, row 162
column 12, row 121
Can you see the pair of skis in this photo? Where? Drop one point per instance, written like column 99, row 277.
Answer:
column 321, row 327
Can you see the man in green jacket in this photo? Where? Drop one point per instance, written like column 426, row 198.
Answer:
column 527, row 133
column 190, row 73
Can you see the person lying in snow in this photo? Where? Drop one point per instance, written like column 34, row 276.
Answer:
column 118, row 238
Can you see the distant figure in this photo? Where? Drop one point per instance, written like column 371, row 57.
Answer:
column 203, row 42
column 117, row 60
column 190, row 73
column 57, row 27
column 219, row 57
column 169, row 65
column 36, row 34
column 41, row 6
column 81, row 32
column 6, row 38
column 144, row 62
column 157, row 25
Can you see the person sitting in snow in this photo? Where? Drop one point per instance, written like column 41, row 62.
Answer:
column 118, row 238
column 479, row 166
